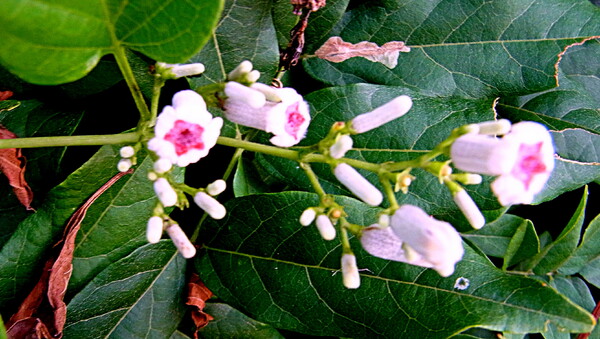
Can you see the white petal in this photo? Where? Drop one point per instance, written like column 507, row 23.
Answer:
column 483, row 154
column 237, row 92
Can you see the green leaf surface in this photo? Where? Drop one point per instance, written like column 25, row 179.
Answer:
column 495, row 237
column 244, row 32
column 588, row 249
column 523, row 245
column 554, row 255
column 591, row 272
column 246, row 180
column 574, row 103
column 52, row 42
column 260, row 259
column 139, row 296
column 231, row 323
column 514, row 53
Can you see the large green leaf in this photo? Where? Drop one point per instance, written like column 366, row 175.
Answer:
column 495, row 237
column 52, row 42
column 586, row 251
column 574, row 103
column 139, row 296
column 231, row 323
column 260, row 260
column 472, row 49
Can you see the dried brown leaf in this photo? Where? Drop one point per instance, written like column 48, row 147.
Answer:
column 12, row 164
column 4, row 95
column 337, row 50
column 198, row 294
column 29, row 328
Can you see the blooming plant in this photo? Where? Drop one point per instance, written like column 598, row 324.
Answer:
column 329, row 181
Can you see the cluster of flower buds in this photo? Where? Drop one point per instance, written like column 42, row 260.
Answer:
column 322, row 220
column 158, row 224
column 127, row 154
column 280, row 111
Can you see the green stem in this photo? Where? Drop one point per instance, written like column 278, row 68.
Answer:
column 73, row 140
column 314, row 180
column 158, row 85
column 136, row 92
column 344, row 239
column 389, row 192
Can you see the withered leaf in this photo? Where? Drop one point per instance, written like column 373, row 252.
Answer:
column 4, row 95
column 12, row 165
column 337, row 50
column 44, row 308
column 198, row 293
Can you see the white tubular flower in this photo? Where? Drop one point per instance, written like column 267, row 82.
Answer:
column 325, row 227
column 308, row 216
column 162, row 165
column 469, row 208
column 383, row 243
column 181, row 70
column 483, row 154
column 127, row 152
column 437, row 242
column 210, row 205
column 357, row 184
column 154, row 229
column 242, row 69
column 181, row 241
column 342, row 145
column 350, row 274
column 494, row 127
column 124, row 165
column 381, row 115
column 217, row 187
column 287, row 118
column 165, row 193
column 186, row 131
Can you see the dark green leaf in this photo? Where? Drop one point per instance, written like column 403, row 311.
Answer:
column 139, row 296
column 231, row 323
column 514, row 53
column 260, row 259
column 495, row 237
column 587, row 250
column 591, row 272
column 52, row 42
column 523, row 245
column 554, row 255
column 246, row 180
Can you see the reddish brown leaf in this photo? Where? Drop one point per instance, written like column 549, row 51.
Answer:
column 27, row 328
column 4, row 95
column 198, row 294
column 12, row 164
column 50, row 290
column 337, row 50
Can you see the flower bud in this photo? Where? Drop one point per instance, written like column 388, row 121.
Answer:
column 483, row 154
column 308, row 216
column 217, row 187
column 469, row 208
column 253, row 76
column 357, row 184
column 325, row 227
column 181, row 241
column 124, row 165
column 127, row 152
column 154, row 229
column 162, row 165
column 243, row 68
column 175, row 71
column 166, row 194
column 494, row 127
column 210, row 205
column 342, row 145
column 350, row 274
column 381, row 115
column 240, row 93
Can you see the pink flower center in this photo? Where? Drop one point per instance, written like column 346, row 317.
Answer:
column 294, row 120
column 529, row 164
column 185, row 136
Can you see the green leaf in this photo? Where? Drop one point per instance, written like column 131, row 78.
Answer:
column 231, row 323
column 523, row 245
column 52, row 42
column 244, row 32
column 554, row 255
column 246, row 180
column 2, row 330
column 132, row 297
column 574, row 103
column 260, row 259
column 514, row 53
column 495, row 237
column 587, row 250
column 591, row 272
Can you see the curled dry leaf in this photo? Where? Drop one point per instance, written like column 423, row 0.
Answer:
column 337, row 50
column 198, row 294
column 4, row 95
column 44, row 310
column 12, row 165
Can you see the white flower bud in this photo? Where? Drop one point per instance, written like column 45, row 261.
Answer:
column 308, row 216
column 162, row 165
column 325, row 227
column 127, row 152
column 253, row 76
column 217, row 187
column 181, row 241
column 154, row 229
column 166, row 194
column 271, row 93
column 484, row 154
column 350, row 274
column 384, row 220
column 175, row 71
column 239, row 93
column 342, row 145
column 210, row 205
column 469, row 208
column 382, row 114
column 152, row 176
column 494, row 127
column 124, row 165
column 243, row 68
column 357, row 184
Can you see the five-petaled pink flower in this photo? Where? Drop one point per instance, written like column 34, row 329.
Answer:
column 185, row 131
